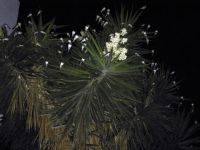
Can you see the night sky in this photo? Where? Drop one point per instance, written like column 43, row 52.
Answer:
column 177, row 46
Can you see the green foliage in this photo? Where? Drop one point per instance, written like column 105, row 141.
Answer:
column 3, row 32
column 72, row 93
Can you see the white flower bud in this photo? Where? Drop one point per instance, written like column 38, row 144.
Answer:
column 173, row 72
column 97, row 17
column 19, row 25
column 106, row 23
column 62, row 40
column 143, row 8
column 38, row 44
column 69, row 46
column 76, row 37
column 5, row 39
column 73, row 33
column 130, row 25
column 82, row 47
column 87, row 27
column 20, row 45
column 42, row 32
column 39, row 12
column 46, row 63
column 103, row 9
column 19, row 33
column 136, row 54
column 29, row 15
column 29, row 22
column 61, row 65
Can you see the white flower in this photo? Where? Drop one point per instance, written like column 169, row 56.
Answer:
column 114, row 45
column 122, row 56
column 124, row 40
column 115, row 39
column 121, row 53
column 109, row 46
column 117, row 35
column 123, row 50
column 123, row 32
column 111, row 35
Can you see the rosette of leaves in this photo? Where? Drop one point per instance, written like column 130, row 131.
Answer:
column 92, row 91
column 152, row 117
column 24, row 101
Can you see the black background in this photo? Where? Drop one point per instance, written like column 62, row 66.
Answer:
column 177, row 45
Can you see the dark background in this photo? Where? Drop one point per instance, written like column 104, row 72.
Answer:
column 177, row 45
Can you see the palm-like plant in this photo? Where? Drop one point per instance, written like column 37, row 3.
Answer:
column 90, row 91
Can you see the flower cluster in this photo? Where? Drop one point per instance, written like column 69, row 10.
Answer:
column 116, row 43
